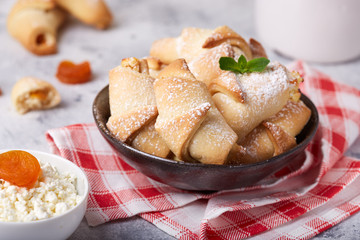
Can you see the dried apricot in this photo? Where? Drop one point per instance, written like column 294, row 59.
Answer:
column 20, row 168
column 71, row 73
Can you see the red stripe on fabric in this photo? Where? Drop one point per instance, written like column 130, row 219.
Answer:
column 150, row 192
column 105, row 200
column 349, row 208
column 339, row 141
column 211, row 234
column 318, row 224
column 340, row 87
column 330, row 110
column 289, row 209
column 354, row 164
column 156, row 198
column 255, row 228
column 327, row 191
column 325, row 84
column 87, row 160
column 244, row 223
column 124, row 165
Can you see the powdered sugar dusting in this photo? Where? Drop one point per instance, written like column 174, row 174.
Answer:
column 129, row 90
column 264, row 93
column 208, row 62
column 261, row 87
column 183, row 102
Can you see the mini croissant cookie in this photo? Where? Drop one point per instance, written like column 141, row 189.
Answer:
column 34, row 94
column 261, row 96
column 195, row 41
column 34, row 23
column 188, row 120
column 91, row 12
column 273, row 137
column 202, row 49
column 133, row 107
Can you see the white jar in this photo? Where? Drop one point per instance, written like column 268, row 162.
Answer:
column 313, row 30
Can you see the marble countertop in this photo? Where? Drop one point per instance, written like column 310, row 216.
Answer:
column 136, row 25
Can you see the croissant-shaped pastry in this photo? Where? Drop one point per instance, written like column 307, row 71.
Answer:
column 133, row 107
column 202, row 49
column 272, row 137
column 188, row 120
column 195, row 41
column 34, row 23
column 91, row 12
column 255, row 96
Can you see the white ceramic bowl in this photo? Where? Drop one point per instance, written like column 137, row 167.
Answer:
column 58, row 227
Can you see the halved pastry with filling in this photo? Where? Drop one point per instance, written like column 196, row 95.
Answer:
column 34, row 94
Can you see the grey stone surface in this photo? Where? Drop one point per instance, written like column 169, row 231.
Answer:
column 136, row 25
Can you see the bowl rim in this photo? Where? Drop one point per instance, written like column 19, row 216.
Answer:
column 70, row 211
column 304, row 143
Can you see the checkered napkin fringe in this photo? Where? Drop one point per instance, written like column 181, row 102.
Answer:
column 291, row 204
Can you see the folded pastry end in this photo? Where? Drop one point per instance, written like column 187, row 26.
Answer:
column 273, row 136
column 281, row 140
column 226, row 34
column 91, row 12
column 133, row 107
column 188, row 120
column 227, row 84
column 178, row 132
column 257, row 49
column 35, row 24
column 125, row 125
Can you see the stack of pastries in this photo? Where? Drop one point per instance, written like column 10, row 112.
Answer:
column 178, row 104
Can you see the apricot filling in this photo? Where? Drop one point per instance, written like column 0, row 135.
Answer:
column 71, row 73
column 41, row 95
column 19, row 168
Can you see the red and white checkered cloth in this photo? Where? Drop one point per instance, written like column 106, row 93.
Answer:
column 315, row 197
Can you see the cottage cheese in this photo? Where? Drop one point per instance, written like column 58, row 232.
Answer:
column 53, row 194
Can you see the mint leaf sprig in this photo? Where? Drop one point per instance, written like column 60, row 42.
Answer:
column 242, row 65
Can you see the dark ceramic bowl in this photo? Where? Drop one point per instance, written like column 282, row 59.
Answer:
column 197, row 176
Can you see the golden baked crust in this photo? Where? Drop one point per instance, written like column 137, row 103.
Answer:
column 133, row 107
column 188, row 120
column 34, row 94
column 92, row 12
column 264, row 94
column 212, row 116
column 34, row 23
column 195, row 41
column 273, row 136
